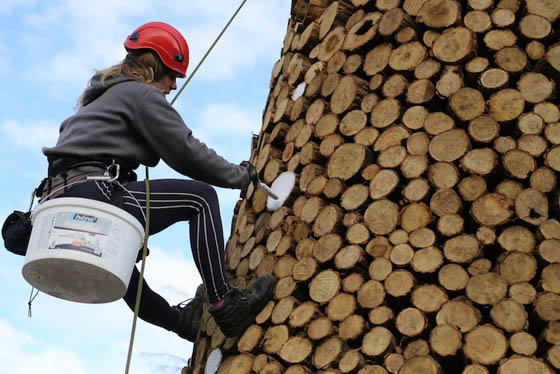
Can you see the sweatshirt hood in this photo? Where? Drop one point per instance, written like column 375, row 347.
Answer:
column 95, row 87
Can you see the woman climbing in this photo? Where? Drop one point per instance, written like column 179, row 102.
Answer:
column 124, row 119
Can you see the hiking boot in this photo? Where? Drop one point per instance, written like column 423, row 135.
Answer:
column 190, row 313
column 240, row 307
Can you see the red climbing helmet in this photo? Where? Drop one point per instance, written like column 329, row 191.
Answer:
column 165, row 40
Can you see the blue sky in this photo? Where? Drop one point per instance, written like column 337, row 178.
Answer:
column 48, row 51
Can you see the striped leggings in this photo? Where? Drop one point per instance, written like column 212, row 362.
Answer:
column 171, row 201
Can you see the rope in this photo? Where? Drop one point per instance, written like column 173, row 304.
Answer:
column 208, row 52
column 140, row 281
column 147, row 216
column 31, row 299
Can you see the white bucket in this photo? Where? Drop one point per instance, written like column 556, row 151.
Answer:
column 82, row 250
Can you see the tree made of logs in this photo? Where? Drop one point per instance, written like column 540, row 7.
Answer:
column 423, row 233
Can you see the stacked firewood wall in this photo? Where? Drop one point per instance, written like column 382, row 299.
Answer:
column 422, row 235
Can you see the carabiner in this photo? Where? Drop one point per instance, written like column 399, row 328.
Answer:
column 107, row 177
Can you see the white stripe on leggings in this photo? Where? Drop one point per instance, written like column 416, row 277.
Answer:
column 198, row 225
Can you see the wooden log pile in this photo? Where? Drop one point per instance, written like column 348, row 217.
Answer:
column 422, row 235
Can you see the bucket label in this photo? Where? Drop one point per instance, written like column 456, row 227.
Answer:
column 79, row 232
column 84, row 218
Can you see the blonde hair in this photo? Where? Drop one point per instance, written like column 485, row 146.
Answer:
column 142, row 65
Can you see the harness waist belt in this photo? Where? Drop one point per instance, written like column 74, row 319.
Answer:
column 58, row 165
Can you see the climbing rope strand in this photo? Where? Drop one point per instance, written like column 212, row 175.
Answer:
column 207, row 52
column 61, row 188
column 133, row 198
column 141, row 278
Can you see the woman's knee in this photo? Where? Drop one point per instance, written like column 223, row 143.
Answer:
column 206, row 192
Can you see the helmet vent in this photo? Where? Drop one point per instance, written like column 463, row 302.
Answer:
column 178, row 57
column 134, row 37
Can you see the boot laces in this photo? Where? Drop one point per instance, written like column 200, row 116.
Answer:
column 242, row 295
column 189, row 303
column 185, row 303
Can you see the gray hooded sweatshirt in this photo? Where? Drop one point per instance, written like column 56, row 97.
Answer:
column 132, row 121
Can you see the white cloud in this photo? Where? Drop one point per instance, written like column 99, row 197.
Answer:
column 170, row 273
column 8, row 333
column 230, row 119
column 65, row 67
column 245, row 44
column 82, row 36
column 31, row 136
column 22, row 354
column 227, row 128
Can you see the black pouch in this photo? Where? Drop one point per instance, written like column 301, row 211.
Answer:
column 139, row 255
column 16, row 232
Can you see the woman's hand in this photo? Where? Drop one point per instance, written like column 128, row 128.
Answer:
column 253, row 174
